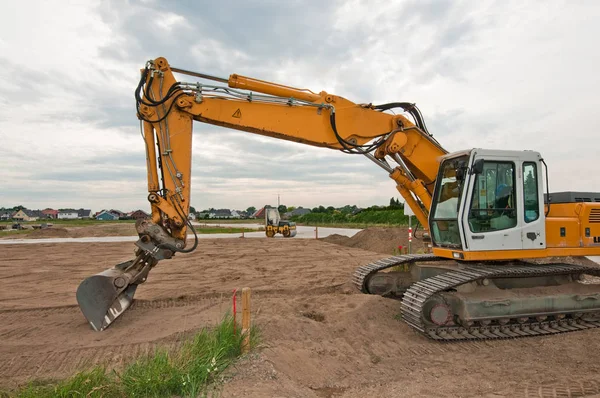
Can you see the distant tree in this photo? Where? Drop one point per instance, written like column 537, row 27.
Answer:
column 330, row 209
column 192, row 209
column 282, row 208
column 19, row 207
column 291, row 208
column 251, row 210
column 395, row 203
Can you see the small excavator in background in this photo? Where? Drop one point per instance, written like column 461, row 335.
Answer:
column 500, row 240
column 275, row 225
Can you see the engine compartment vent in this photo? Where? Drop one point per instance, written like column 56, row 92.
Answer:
column 594, row 216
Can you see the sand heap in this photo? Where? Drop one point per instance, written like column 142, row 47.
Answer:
column 378, row 239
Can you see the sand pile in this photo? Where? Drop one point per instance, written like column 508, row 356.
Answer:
column 377, row 239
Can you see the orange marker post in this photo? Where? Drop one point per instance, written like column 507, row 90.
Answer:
column 246, row 319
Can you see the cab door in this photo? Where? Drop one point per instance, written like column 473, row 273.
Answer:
column 490, row 212
column 533, row 230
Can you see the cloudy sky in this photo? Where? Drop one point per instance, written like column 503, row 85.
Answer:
column 505, row 75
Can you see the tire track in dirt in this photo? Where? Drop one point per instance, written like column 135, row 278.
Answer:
column 569, row 388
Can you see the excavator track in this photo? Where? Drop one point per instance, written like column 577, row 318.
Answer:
column 419, row 292
column 415, row 297
column 364, row 272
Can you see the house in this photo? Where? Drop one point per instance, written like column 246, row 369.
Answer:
column 84, row 213
column 138, row 215
column 235, row 214
column 67, row 214
column 221, row 213
column 300, row 211
column 50, row 213
column 6, row 214
column 260, row 213
column 107, row 216
column 117, row 213
column 27, row 215
column 242, row 213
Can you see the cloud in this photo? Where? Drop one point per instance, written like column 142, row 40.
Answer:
column 508, row 75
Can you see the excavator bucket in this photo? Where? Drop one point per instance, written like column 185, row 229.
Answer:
column 105, row 296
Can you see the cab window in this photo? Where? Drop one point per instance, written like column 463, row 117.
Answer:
column 530, row 192
column 493, row 204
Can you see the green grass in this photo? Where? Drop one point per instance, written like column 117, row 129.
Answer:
column 196, row 369
column 230, row 221
column 4, row 232
column 67, row 223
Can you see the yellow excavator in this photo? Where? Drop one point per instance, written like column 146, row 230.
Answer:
column 500, row 243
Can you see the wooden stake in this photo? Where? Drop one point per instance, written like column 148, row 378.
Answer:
column 246, row 319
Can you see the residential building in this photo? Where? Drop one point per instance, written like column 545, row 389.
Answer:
column 300, row 211
column 6, row 214
column 139, row 215
column 27, row 215
column 260, row 213
column 106, row 215
column 220, row 213
column 84, row 213
column 67, row 214
column 117, row 213
column 50, row 213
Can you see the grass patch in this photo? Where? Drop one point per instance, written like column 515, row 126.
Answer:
column 4, row 232
column 68, row 223
column 259, row 221
column 196, row 369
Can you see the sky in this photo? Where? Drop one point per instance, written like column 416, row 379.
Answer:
column 486, row 74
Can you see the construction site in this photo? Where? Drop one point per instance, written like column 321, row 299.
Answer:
column 321, row 336
column 481, row 278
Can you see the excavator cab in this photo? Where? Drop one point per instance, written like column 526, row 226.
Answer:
column 488, row 200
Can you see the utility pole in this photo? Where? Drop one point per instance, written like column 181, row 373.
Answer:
column 278, row 202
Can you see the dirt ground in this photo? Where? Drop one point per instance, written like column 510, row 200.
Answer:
column 320, row 337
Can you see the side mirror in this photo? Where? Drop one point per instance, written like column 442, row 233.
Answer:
column 477, row 167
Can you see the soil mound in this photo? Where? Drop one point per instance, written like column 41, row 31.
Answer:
column 377, row 239
column 337, row 239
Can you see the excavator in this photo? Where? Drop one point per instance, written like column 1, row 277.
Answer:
column 502, row 247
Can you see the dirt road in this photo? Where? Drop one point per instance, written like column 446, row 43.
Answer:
column 321, row 338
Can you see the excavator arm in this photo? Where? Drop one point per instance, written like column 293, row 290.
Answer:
column 167, row 108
